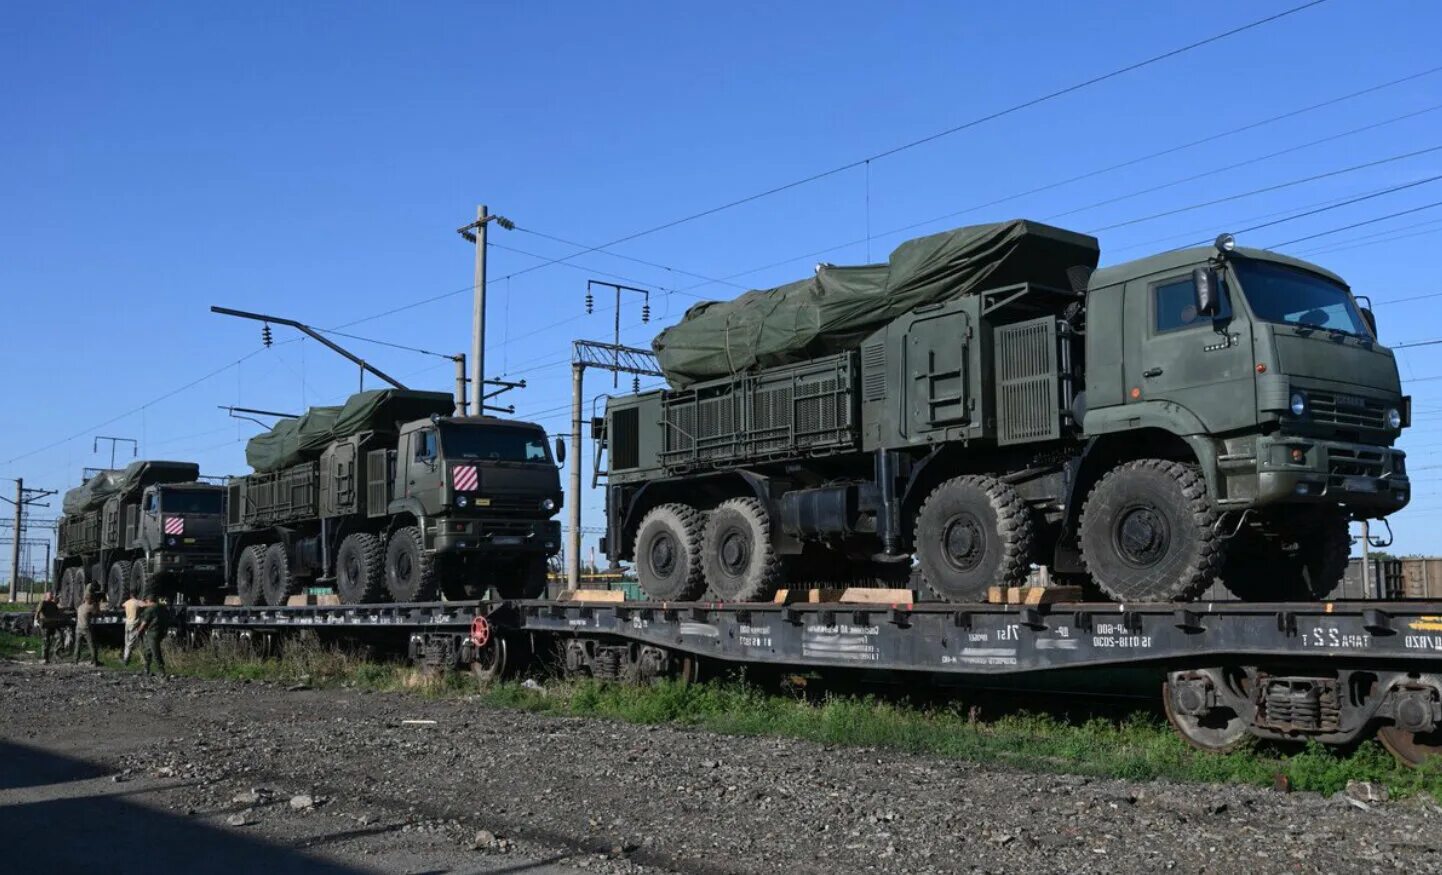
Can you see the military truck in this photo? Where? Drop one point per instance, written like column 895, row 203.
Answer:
column 150, row 528
column 390, row 497
column 987, row 401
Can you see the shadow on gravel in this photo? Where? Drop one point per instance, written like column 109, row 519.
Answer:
column 127, row 836
column 27, row 767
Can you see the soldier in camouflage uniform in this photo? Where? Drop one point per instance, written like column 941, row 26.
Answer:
column 84, row 632
column 49, row 623
column 154, row 622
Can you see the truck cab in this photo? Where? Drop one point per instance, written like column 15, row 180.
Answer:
column 177, row 533
column 484, row 491
column 1267, row 372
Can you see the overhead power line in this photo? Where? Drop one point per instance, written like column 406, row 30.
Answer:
column 1371, row 221
column 954, row 129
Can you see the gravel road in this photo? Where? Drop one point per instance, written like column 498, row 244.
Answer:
column 239, row 776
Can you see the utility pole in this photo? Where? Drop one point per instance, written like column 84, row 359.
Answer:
column 23, row 498
column 475, row 232
column 617, row 359
column 461, row 405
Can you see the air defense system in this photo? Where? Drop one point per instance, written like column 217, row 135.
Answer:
column 987, row 401
column 151, row 528
column 391, row 498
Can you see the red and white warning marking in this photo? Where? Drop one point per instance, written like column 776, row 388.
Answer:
column 175, row 525
column 465, row 478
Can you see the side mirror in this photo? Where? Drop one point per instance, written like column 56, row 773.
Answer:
column 1370, row 318
column 560, row 451
column 1208, row 288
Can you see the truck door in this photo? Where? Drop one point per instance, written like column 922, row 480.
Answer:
column 419, row 468
column 1202, row 364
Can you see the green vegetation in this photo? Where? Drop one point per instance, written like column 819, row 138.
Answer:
column 1134, row 747
column 15, row 646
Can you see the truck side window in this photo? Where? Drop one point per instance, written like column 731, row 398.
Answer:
column 1176, row 306
column 425, row 445
column 150, row 503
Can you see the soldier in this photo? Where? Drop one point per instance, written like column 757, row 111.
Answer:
column 84, row 633
column 49, row 620
column 132, row 608
column 154, row 621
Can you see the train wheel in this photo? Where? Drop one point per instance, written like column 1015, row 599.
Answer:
column 491, row 662
column 973, row 532
column 668, row 553
column 248, row 573
column 360, row 574
column 1410, row 748
column 1200, row 716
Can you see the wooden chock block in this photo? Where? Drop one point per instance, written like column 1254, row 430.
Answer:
column 1015, row 595
column 300, row 601
column 232, row 601
column 1038, row 595
column 328, row 598
column 862, row 595
column 598, row 595
column 996, row 595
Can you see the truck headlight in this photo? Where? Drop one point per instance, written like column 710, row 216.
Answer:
column 1299, row 404
column 1394, row 418
column 548, row 505
column 462, row 501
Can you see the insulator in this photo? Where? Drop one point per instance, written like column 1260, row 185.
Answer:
column 590, row 302
column 265, row 335
column 635, row 385
column 646, row 312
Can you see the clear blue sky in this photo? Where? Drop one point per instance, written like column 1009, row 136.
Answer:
column 314, row 159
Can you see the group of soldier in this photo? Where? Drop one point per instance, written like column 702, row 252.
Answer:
column 147, row 620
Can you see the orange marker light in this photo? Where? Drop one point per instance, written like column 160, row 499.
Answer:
column 1261, row 367
column 1136, row 393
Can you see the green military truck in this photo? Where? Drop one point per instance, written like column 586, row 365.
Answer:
column 389, row 497
column 151, row 528
column 987, row 401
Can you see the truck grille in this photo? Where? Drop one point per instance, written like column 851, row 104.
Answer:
column 1347, row 411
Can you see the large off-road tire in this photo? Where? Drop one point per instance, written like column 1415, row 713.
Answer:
column 523, row 579
column 409, row 575
column 68, row 587
column 96, row 582
column 1295, row 554
column 276, row 581
column 141, row 582
column 739, row 561
column 249, row 571
column 360, row 569
column 117, row 583
column 668, row 553
column 973, row 532
column 1148, row 532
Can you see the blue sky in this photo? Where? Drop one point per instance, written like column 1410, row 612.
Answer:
column 314, row 160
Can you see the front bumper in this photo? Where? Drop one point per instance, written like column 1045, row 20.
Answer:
column 195, row 566
column 1298, row 469
column 489, row 535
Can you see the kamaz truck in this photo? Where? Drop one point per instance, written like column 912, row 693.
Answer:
column 150, row 529
column 988, row 401
column 389, row 497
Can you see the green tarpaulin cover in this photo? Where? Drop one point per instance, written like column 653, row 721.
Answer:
column 92, row 493
column 839, row 306
column 304, row 438
column 138, row 475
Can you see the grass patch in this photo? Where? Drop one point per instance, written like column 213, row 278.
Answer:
column 1139, row 747
column 15, row 646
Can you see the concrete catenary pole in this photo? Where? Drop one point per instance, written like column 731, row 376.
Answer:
column 573, row 543
column 461, row 406
column 478, row 314
column 19, row 528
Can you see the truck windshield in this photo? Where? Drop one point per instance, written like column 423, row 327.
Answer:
column 495, row 444
column 1284, row 294
column 186, row 501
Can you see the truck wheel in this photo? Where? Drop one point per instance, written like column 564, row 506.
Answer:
column 668, row 553
column 360, row 569
column 276, row 580
column 140, row 582
column 740, row 562
column 248, row 573
column 117, row 583
column 1299, row 556
column 1148, row 532
column 409, row 575
column 65, row 597
column 973, row 532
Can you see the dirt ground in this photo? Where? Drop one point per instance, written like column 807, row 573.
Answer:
column 125, row 774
